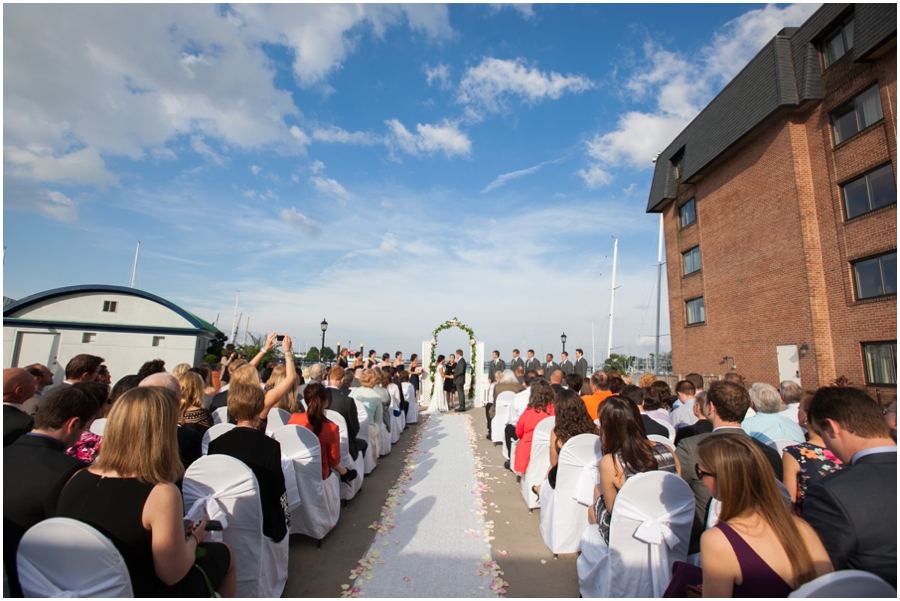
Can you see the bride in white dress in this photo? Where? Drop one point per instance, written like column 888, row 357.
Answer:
column 438, row 402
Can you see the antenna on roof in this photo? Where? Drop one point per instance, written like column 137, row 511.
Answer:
column 133, row 269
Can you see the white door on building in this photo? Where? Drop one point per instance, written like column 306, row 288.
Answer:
column 36, row 347
column 788, row 363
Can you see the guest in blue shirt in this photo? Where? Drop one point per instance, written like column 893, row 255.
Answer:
column 767, row 426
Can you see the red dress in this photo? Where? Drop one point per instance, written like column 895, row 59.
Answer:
column 329, row 441
column 525, row 431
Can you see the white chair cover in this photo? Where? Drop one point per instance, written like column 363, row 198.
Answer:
column 781, row 443
column 226, row 489
column 409, row 393
column 562, row 518
column 846, row 584
column 540, row 461
column 501, row 415
column 385, row 439
column 61, row 557
column 348, row 489
column 666, row 425
column 213, row 433
column 371, row 458
column 320, row 505
column 220, row 415
column 650, row 530
column 276, row 419
column 398, row 422
column 663, row 440
column 98, row 426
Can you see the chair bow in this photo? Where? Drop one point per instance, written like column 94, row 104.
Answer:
column 290, row 482
column 105, row 584
column 211, row 504
column 584, row 486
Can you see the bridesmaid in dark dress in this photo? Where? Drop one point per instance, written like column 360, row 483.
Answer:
column 342, row 359
column 449, row 388
column 414, row 372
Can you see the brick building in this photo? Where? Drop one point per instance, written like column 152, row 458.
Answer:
column 780, row 210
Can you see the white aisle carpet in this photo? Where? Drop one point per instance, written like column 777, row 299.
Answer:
column 433, row 540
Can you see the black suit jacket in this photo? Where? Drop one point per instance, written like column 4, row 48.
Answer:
column 581, row 367
column 651, row 426
column 35, row 470
column 495, row 369
column 516, row 364
column 219, row 400
column 15, row 424
column 566, row 367
column 343, row 404
column 532, row 365
column 190, row 446
column 855, row 513
column 459, row 373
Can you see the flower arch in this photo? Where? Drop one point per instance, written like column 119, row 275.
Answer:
column 454, row 323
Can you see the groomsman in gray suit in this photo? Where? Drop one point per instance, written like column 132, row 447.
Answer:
column 516, row 362
column 459, row 381
column 566, row 365
column 580, row 363
column 532, row 364
column 550, row 366
column 496, row 367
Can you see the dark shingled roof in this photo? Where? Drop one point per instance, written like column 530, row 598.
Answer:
column 785, row 73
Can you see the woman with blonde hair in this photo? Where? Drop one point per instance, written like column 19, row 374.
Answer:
column 758, row 548
column 646, row 380
column 366, row 394
column 193, row 415
column 129, row 494
column 180, row 369
column 248, row 374
column 288, row 402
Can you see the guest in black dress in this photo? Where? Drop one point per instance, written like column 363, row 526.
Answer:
column 415, row 370
column 449, row 386
column 342, row 359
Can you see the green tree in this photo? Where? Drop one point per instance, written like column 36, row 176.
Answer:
column 252, row 348
column 327, row 354
column 615, row 362
column 312, row 354
column 217, row 345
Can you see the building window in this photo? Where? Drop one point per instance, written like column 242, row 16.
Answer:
column 695, row 312
column 881, row 362
column 88, row 337
column 110, row 306
column 838, row 43
column 856, row 115
column 158, row 340
column 872, row 191
column 688, row 213
column 691, row 260
column 876, row 276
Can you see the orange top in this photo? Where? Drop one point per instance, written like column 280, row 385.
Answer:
column 329, row 441
column 592, row 402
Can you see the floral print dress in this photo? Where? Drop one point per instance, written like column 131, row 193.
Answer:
column 815, row 463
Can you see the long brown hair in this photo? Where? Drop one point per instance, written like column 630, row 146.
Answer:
column 622, row 429
column 572, row 417
column 288, row 401
column 140, row 440
column 541, row 397
column 316, row 398
column 191, row 393
column 746, row 487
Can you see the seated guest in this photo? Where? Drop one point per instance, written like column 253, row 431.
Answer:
column 129, row 495
column 384, row 380
column 43, row 378
column 192, row 414
column 155, row 366
column 651, row 426
column 35, row 468
column 556, row 380
column 767, row 425
column 855, row 510
column 572, row 419
column 791, row 395
column 654, row 405
column 181, row 368
column 229, row 366
column 347, row 384
column 371, row 400
column 18, row 387
column 288, row 402
column 666, row 400
column 88, row 446
column 702, row 426
column 340, row 401
column 683, row 414
column 507, row 382
column 616, row 383
column 403, row 378
column 325, row 430
column 190, row 443
column 259, row 452
column 248, row 374
column 540, row 407
column 757, row 548
column 574, row 383
column 516, row 408
column 125, row 384
column 599, row 392
column 646, row 380
column 626, row 452
column 808, row 462
column 209, row 388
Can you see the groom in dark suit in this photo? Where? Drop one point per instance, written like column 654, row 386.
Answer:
column 459, row 380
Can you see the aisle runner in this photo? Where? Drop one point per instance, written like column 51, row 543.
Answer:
column 433, row 540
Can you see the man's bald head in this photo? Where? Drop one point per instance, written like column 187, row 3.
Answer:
column 18, row 385
column 557, row 377
column 163, row 380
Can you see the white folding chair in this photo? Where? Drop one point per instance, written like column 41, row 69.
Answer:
column 61, row 557
column 540, row 461
column 666, row 425
column 320, row 505
column 276, row 419
column 371, row 457
column 398, row 422
column 220, row 415
column 348, row 489
column 650, row 529
column 213, row 433
column 409, row 393
column 225, row 489
column 98, row 426
column 385, row 439
column 781, row 444
column 662, row 439
column 562, row 517
column 846, row 584
column 501, row 415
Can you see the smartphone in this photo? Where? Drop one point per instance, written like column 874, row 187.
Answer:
column 279, row 337
column 213, row 525
column 187, row 524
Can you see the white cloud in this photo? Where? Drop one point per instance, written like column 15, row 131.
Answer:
column 317, row 166
column 300, row 135
column 502, row 179
column 336, row 135
column 300, row 221
column 185, row 228
column 255, row 169
column 488, row 85
column 332, row 188
column 430, row 139
column 81, row 166
column 58, row 206
column 680, row 88
column 440, row 73
column 203, row 149
column 526, row 11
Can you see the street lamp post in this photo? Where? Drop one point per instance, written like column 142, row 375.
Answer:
column 563, row 339
column 324, row 325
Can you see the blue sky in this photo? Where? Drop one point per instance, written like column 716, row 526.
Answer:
column 384, row 167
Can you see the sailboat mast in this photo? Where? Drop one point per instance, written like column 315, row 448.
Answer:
column 612, row 298
column 246, row 329
column 234, row 321
column 134, row 268
column 658, row 294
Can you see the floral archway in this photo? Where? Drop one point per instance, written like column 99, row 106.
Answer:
column 454, row 323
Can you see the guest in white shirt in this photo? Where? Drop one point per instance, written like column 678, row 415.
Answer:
column 684, row 414
column 791, row 394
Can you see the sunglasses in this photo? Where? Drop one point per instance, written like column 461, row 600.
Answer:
column 700, row 473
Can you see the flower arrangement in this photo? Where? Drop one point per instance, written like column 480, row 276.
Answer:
column 432, row 363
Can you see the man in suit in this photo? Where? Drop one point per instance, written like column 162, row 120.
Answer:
column 636, row 396
column 725, row 406
column 18, row 387
column 459, row 380
column 496, row 367
column 854, row 510
column 565, row 365
column 342, row 403
column 36, row 468
column 550, row 366
column 43, row 378
column 532, row 364
column 190, row 443
column 580, row 363
column 516, row 363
